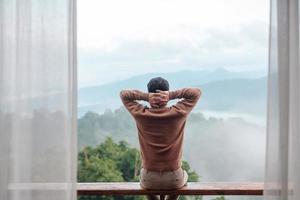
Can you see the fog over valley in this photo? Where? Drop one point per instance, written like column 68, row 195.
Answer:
column 224, row 135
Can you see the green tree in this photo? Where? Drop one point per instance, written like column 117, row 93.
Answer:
column 193, row 176
column 108, row 162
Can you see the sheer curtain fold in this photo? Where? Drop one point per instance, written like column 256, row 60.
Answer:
column 38, row 100
column 282, row 181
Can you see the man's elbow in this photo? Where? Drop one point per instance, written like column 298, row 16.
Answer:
column 122, row 94
column 197, row 92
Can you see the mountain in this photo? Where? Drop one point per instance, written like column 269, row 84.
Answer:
column 236, row 95
column 240, row 87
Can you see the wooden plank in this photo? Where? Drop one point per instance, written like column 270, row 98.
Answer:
column 199, row 188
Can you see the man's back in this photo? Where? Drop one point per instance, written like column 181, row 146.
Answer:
column 161, row 130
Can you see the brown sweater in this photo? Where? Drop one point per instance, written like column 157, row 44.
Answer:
column 161, row 130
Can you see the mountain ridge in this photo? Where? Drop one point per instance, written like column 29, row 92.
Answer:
column 213, row 83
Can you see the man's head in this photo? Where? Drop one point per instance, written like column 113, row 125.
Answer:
column 158, row 83
column 158, row 89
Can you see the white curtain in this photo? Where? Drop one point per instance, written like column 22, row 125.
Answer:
column 282, row 181
column 37, row 100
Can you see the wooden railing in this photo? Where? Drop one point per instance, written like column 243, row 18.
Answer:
column 201, row 188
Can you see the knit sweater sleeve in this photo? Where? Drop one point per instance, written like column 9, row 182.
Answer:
column 130, row 98
column 189, row 96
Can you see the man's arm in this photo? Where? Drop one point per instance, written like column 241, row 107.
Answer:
column 130, row 97
column 190, row 98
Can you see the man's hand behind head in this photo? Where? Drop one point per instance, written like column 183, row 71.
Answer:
column 159, row 99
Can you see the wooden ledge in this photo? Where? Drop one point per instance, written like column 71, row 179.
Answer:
column 199, row 188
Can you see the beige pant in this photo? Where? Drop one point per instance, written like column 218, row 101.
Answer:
column 163, row 180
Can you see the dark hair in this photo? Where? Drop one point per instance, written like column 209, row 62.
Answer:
column 158, row 83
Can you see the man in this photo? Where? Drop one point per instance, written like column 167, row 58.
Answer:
column 160, row 132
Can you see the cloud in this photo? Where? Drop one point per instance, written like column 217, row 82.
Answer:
column 102, row 23
column 119, row 39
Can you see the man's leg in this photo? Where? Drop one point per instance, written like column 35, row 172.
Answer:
column 172, row 197
column 182, row 178
column 152, row 197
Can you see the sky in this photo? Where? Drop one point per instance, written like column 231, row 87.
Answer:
column 118, row 39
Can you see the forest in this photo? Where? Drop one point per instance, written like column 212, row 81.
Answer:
column 208, row 144
column 109, row 150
